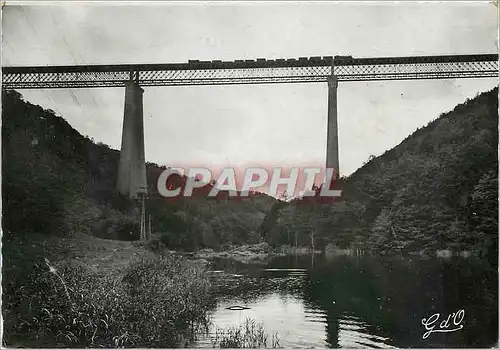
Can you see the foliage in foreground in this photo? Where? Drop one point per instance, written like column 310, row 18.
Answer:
column 251, row 334
column 156, row 303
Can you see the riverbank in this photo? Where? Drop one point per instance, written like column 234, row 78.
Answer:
column 424, row 253
column 242, row 253
column 251, row 252
column 263, row 252
column 89, row 292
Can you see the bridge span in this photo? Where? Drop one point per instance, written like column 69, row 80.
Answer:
column 325, row 69
column 259, row 71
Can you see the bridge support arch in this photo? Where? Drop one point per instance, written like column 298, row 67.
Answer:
column 131, row 180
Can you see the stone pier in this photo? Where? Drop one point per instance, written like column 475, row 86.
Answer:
column 332, row 143
column 132, row 167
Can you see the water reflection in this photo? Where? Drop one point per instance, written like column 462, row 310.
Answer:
column 284, row 314
column 360, row 302
column 353, row 333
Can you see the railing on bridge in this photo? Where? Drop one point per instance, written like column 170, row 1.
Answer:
column 260, row 71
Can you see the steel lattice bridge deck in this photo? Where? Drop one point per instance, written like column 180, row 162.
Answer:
column 260, row 71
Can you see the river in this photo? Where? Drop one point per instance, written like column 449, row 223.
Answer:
column 353, row 302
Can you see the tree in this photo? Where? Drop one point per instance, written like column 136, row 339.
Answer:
column 484, row 209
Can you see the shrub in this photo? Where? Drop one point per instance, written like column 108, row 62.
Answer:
column 158, row 303
column 251, row 334
column 113, row 224
column 79, row 214
column 171, row 297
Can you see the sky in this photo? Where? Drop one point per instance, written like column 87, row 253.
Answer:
column 272, row 125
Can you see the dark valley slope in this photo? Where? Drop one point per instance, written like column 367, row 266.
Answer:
column 56, row 181
column 438, row 189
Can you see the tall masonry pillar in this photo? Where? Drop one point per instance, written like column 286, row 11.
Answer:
column 132, row 167
column 332, row 143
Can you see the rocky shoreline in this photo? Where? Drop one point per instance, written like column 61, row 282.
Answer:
column 262, row 252
column 250, row 253
column 244, row 253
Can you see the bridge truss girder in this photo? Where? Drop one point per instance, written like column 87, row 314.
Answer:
column 303, row 70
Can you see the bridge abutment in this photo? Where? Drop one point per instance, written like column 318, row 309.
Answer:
column 332, row 143
column 132, row 167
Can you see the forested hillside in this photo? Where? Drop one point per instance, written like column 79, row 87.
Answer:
column 438, row 189
column 56, row 181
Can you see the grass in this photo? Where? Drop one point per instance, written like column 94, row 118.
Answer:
column 90, row 292
column 87, row 292
column 250, row 334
